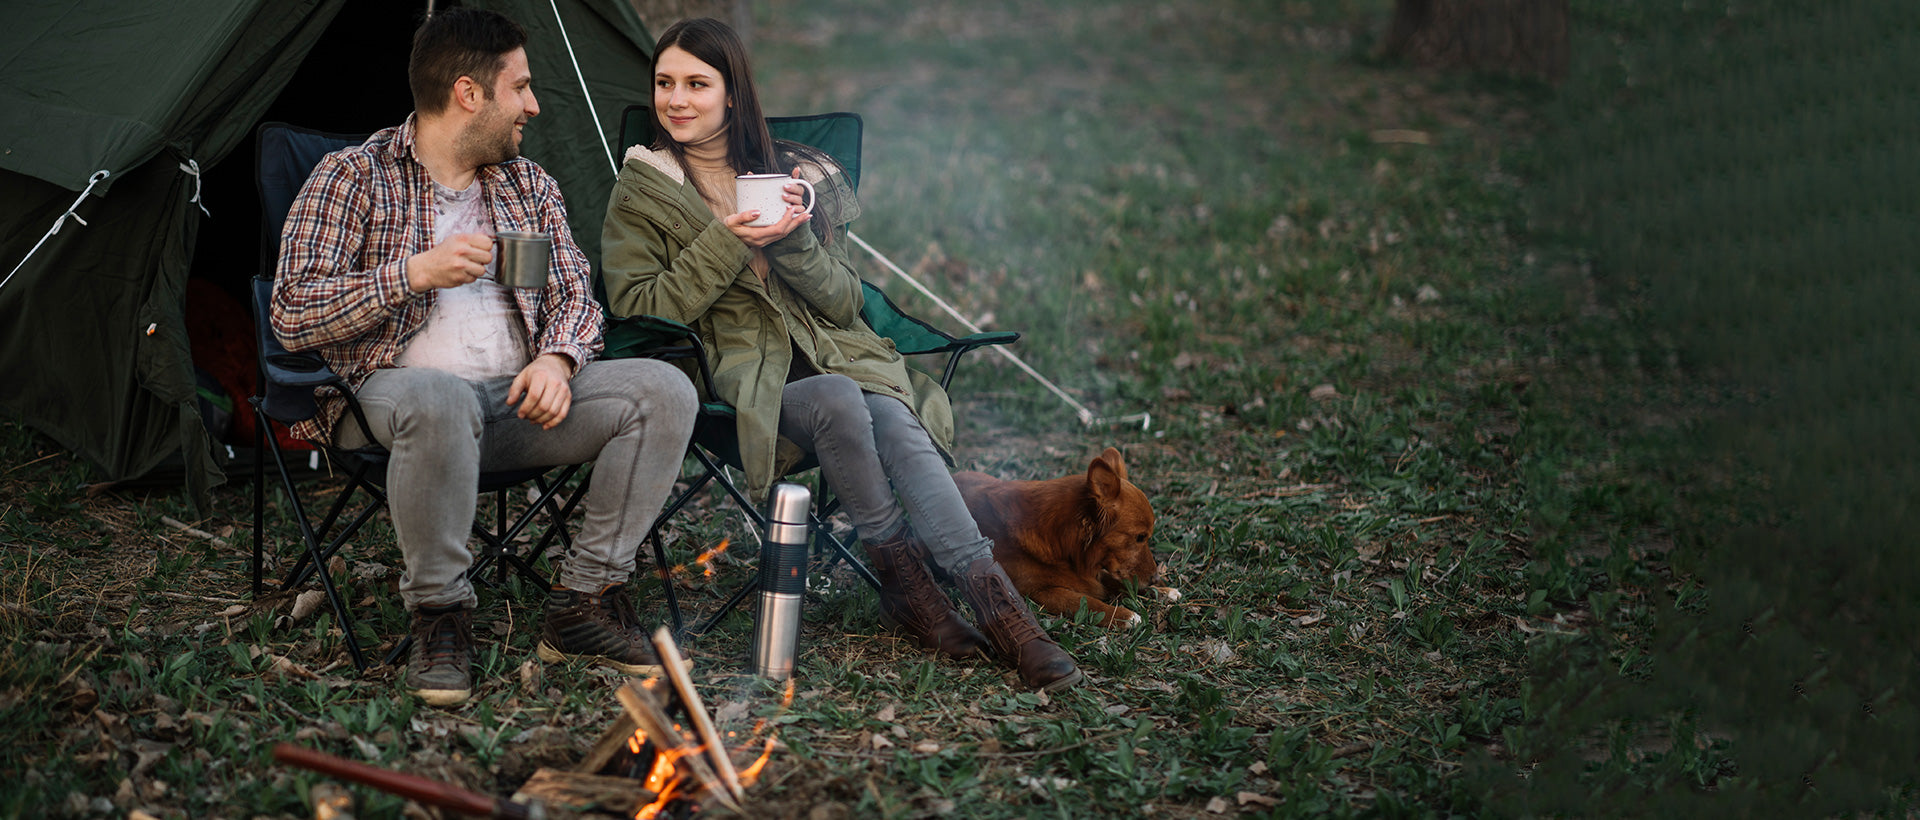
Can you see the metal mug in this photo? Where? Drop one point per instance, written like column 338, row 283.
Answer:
column 524, row 258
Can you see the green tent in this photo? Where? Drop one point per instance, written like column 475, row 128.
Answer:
column 164, row 99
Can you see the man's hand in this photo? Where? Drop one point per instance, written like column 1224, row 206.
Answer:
column 450, row 264
column 547, row 394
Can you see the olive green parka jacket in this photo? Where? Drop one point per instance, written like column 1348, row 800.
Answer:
column 664, row 254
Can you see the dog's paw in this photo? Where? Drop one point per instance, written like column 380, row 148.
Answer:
column 1168, row 594
column 1129, row 620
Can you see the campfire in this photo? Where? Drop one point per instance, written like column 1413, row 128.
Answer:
column 646, row 765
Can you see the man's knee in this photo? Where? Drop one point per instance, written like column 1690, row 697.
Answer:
column 425, row 398
column 655, row 387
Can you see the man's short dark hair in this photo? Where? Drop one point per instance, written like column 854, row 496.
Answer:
column 456, row 43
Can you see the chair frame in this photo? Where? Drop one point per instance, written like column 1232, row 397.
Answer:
column 284, row 396
column 678, row 341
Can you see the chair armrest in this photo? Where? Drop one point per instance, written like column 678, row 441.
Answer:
column 655, row 337
column 635, row 336
column 305, row 370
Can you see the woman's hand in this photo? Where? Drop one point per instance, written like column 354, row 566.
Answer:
column 759, row 237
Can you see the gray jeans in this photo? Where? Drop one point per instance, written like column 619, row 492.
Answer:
column 871, row 447
column 631, row 417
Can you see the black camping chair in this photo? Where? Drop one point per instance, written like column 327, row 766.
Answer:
column 287, row 155
column 839, row 135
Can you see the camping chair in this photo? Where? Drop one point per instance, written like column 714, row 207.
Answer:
column 287, row 155
column 839, row 135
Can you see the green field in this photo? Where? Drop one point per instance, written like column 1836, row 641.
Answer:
column 1414, row 461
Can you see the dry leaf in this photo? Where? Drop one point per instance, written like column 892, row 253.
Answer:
column 1258, row 767
column 531, row 675
column 307, row 603
column 1249, row 797
column 880, row 741
column 926, row 747
column 886, row 714
column 1324, row 392
column 236, row 609
column 1217, row 805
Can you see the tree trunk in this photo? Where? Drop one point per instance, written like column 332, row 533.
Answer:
column 1522, row 37
column 659, row 14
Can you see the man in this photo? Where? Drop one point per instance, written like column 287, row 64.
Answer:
column 387, row 269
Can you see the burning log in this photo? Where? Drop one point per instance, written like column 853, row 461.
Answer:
column 667, row 741
column 683, row 685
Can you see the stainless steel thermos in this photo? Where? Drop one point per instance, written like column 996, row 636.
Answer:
column 783, row 580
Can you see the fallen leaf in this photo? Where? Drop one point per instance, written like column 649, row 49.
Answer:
column 1249, row 797
column 1217, row 650
column 926, row 747
column 880, row 741
column 236, row 609
column 1258, row 767
column 1324, row 392
column 1217, row 805
column 306, row 603
column 886, row 714
column 531, row 675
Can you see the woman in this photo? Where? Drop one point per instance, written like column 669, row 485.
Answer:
column 778, row 309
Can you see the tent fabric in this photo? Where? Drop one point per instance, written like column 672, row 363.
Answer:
column 93, row 344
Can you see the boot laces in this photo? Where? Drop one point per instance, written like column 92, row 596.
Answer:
column 445, row 639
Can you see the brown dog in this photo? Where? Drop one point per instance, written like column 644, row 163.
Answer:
column 1070, row 539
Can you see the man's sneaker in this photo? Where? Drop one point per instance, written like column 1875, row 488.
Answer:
column 438, row 667
column 600, row 628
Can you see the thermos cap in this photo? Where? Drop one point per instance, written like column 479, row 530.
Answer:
column 788, row 503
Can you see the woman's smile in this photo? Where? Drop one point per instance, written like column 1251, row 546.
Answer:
column 689, row 96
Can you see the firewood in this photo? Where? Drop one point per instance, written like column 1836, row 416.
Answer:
column 640, row 702
column 578, row 792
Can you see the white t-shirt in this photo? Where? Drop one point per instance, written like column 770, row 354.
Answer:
column 474, row 331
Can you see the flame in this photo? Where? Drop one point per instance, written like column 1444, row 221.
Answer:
column 751, row 774
column 706, row 558
column 652, row 810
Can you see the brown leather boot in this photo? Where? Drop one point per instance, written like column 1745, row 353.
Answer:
column 1012, row 629
column 912, row 605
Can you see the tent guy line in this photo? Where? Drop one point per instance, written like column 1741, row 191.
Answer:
column 592, row 110
column 1087, row 418
column 91, row 181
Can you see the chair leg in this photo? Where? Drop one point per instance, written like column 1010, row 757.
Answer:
column 318, row 555
column 661, row 567
column 259, row 495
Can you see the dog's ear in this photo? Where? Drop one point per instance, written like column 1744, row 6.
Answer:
column 1105, row 476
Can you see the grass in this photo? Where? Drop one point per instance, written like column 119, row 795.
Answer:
column 1406, row 460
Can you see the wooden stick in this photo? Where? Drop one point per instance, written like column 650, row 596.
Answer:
column 647, row 714
column 579, row 792
column 412, row 787
column 683, row 684
column 610, row 744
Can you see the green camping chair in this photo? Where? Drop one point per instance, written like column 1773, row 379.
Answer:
column 287, row 155
column 839, row 135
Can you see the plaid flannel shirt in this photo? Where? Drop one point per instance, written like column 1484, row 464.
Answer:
column 341, row 285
